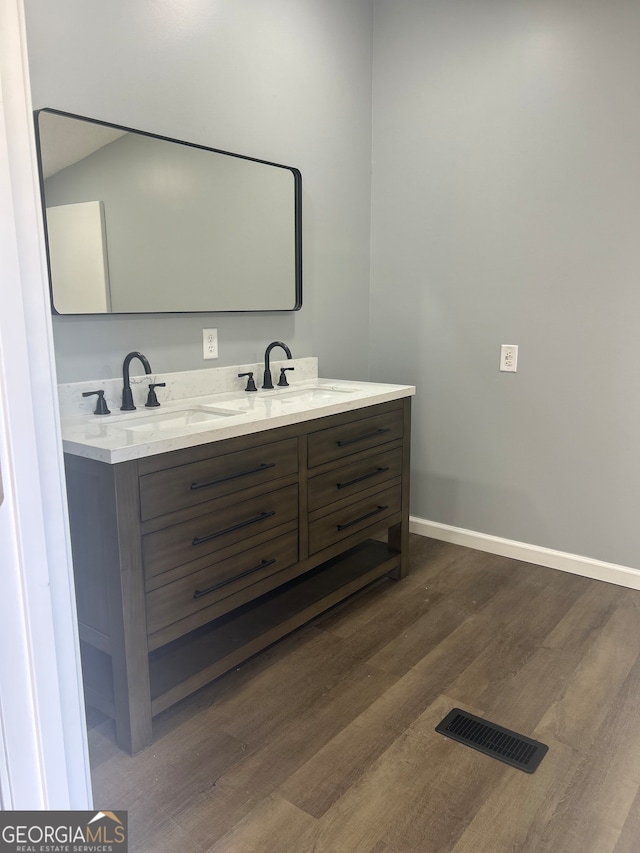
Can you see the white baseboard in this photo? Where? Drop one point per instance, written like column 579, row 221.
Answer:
column 588, row 568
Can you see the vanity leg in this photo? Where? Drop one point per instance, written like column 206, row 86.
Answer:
column 133, row 709
column 399, row 533
column 104, row 510
column 131, row 692
column 399, row 541
column 127, row 618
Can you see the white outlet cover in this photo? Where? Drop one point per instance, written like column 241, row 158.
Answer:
column 209, row 343
column 509, row 358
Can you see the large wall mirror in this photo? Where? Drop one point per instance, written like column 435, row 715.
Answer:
column 140, row 223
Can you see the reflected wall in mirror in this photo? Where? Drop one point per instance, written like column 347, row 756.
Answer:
column 140, row 223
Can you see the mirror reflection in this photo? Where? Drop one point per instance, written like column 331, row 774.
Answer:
column 138, row 223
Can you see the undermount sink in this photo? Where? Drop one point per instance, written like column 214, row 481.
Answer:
column 168, row 421
column 319, row 393
column 193, row 418
column 299, row 397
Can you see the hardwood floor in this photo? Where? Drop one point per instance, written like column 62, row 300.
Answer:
column 326, row 742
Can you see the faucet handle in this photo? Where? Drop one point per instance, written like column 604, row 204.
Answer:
column 101, row 403
column 152, row 400
column 283, row 376
column 251, row 383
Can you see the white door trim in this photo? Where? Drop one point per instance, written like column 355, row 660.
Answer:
column 43, row 747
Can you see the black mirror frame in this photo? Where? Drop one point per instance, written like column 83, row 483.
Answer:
column 297, row 176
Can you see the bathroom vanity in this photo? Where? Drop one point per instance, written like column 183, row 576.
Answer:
column 196, row 545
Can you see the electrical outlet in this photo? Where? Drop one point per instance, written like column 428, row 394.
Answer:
column 209, row 343
column 509, row 358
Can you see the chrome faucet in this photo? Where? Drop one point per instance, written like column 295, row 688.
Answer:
column 268, row 382
column 127, row 396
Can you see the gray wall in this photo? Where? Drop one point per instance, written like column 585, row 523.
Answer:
column 287, row 81
column 506, row 209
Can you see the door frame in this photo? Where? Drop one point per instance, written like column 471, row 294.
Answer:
column 44, row 760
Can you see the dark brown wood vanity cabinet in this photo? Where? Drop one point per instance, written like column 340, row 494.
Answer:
column 188, row 562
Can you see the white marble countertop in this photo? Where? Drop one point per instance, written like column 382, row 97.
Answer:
column 200, row 419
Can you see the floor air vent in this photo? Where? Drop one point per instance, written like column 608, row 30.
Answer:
column 514, row 749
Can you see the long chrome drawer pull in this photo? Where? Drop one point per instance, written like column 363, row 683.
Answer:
column 364, row 437
column 198, row 540
column 360, row 479
column 362, row 518
column 200, row 593
column 262, row 467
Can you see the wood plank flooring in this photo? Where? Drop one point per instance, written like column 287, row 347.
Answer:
column 325, row 742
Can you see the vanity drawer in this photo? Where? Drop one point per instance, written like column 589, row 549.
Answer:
column 370, row 512
column 358, row 474
column 181, row 543
column 209, row 593
column 189, row 485
column 341, row 441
